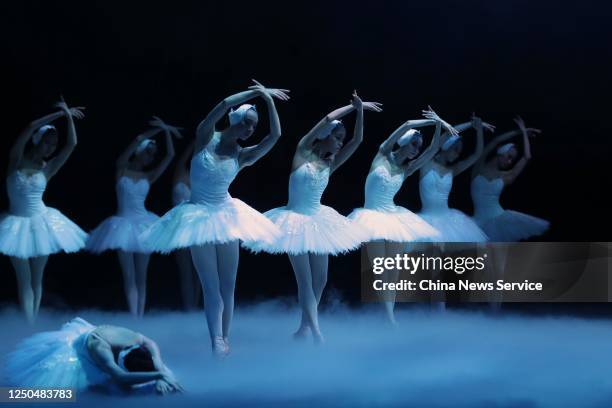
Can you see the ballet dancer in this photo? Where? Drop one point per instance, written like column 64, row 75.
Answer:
column 390, row 226
column 490, row 176
column 121, row 232
column 191, row 290
column 212, row 222
column 30, row 231
column 81, row 356
column 311, row 231
column 436, row 180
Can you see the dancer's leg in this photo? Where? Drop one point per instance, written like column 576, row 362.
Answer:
column 189, row 287
column 319, row 265
column 227, row 260
column 391, row 276
column 141, row 262
column 306, row 295
column 126, row 261
column 24, row 287
column 205, row 261
column 378, row 249
column 37, row 266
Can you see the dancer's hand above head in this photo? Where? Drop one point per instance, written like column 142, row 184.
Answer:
column 173, row 130
column 429, row 113
column 356, row 101
column 478, row 122
column 372, row 106
column 76, row 112
column 277, row 93
column 532, row 132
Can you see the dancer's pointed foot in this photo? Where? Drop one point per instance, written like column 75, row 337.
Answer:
column 318, row 338
column 301, row 334
column 219, row 347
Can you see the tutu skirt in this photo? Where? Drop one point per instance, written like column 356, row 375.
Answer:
column 324, row 232
column 454, row 226
column 399, row 225
column 41, row 234
column 512, row 226
column 120, row 232
column 56, row 359
column 190, row 224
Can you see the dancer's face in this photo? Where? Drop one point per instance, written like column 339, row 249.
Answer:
column 246, row 127
column 147, row 155
column 411, row 149
column 47, row 145
column 331, row 145
column 453, row 152
column 506, row 161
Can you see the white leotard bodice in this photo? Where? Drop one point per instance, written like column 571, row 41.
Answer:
column 131, row 196
column 211, row 176
column 381, row 187
column 485, row 196
column 180, row 193
column 25, row 193
column 434, row 190
column 306, row 186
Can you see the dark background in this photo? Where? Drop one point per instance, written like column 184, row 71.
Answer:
column 543, row 60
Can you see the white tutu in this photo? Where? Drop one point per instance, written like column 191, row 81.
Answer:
column 455, row 226
column 324, row 232
column 401, row 225
column 190, row 224
column 512, row 226
column 55, row 359
column 501, row 225
column 122, row 233
column 305, row 224
column 32, row 229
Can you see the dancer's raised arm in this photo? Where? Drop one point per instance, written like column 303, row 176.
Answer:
column 522, row 162
column 251, row 154
column 206, row 128
column 465, row 164
column 17, row 150
column 170, row 131
column 351, row 146
column 59, row 160
column 433, row 147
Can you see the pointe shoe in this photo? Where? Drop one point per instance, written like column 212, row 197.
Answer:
column 219, row 347
column 227, row 345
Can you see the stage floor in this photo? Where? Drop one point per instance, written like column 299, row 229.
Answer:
column 433, row 359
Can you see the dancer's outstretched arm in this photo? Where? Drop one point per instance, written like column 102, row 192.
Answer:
column 206, row 128
column 306, row 143
column 170, row 131
column 17, row 150
column 60, row 159
column 159, row 365
column 387, row 146
column 103, row 355
column 465, row 164
column 351, row 146
column 522, row 162
column 251, row 154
